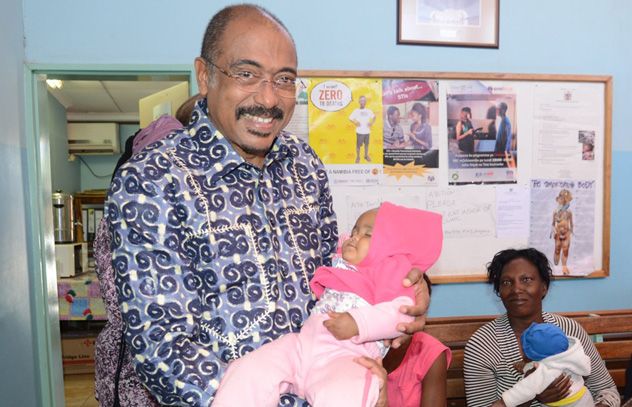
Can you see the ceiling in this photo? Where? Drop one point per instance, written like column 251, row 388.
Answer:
column 107, row 100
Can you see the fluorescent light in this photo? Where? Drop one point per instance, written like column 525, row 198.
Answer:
column 55, row 83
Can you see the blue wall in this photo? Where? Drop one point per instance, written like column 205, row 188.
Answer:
column 17, row 341
column 536, row 36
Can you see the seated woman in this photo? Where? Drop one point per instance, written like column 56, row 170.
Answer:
column 521, row 279
column 418, row 371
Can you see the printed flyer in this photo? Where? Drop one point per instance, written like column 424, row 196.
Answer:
column 482, row 133
column 410, row 133
column 345, row 128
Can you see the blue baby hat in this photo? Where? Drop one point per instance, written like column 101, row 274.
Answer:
column 543, row 340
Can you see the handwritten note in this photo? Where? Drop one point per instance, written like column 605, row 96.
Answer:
column 357, row 205
column 467, row 213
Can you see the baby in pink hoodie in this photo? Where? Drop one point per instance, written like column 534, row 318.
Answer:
column 358, row 306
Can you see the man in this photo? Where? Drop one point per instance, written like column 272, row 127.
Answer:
column 363, row 119
column 393, row 131
column 503, row 136
column 218, row 229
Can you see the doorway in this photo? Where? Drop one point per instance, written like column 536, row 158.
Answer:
column 50, row 165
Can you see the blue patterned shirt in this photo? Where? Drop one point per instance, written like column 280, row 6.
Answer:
column 213, row 256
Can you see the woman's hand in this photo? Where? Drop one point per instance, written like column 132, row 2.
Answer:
column 557, row 390
column 375, row 366
column 418, row 311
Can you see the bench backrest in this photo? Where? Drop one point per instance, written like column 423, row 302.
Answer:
column 611, row 331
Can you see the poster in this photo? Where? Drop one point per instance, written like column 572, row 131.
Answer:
column 482, row 133
column 345, row 128
column 410, row 131
column 298, row 124
column 562, row 224
column 567, row 130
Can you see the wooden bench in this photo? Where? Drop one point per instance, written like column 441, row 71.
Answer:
column 610, row 330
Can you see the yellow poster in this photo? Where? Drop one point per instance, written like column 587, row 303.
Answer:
column 345, row 120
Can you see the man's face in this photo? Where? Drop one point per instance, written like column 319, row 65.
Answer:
column 362, row 102
column 251, row 44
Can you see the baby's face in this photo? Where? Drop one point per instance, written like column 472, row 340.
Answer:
column 355, row 249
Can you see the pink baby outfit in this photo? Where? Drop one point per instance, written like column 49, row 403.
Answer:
column 313, row 364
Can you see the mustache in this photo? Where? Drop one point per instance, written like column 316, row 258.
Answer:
column 274, row 112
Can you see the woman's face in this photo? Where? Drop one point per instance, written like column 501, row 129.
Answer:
column 521, row 289
column 415, row 116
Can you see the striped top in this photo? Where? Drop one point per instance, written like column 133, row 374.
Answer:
column 493, row 350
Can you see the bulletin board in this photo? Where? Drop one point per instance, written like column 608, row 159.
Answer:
column 534, row 171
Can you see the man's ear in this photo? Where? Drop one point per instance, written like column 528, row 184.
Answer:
column 201, row 74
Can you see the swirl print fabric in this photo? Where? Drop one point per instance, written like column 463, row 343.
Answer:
column 212, row 255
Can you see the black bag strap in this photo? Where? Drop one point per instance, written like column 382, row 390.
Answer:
column 119, row 367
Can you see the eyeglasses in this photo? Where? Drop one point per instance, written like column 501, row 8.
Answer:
column 284, row 84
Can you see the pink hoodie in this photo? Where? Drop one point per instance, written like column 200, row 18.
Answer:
column 402, row 239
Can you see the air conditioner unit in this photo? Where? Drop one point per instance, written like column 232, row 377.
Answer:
column 93, row 138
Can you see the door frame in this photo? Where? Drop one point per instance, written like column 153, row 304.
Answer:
column 40, row 243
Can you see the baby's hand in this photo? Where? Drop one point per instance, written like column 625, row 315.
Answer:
column 519, row 366
column 341, row 325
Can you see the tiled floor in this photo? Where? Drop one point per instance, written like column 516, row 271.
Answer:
column 79, row 390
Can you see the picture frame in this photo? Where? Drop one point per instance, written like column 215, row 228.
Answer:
column 461, row 23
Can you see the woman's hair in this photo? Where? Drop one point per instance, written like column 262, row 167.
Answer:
column 421, row 110
column 504, row 257
column 183, row 114
column 391, row 110
column 491, row 112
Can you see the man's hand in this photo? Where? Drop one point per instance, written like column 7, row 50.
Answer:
column 422, row 300
column 375, row 366
column 341, row 325
column 557, row 390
